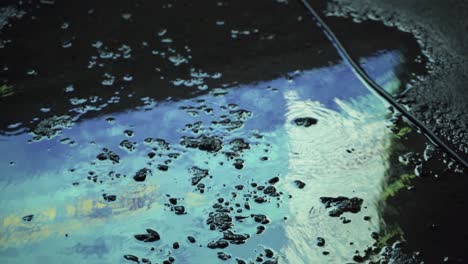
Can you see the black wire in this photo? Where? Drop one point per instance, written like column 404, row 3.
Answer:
column 370, row 83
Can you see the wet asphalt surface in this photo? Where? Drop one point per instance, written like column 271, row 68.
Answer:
column 439, row 27
column 115, row 55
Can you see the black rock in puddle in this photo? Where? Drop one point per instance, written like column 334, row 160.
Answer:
column 28, row 218
column 342, row 205
column 345, row 220
column 259, row 218
column 320, row 241
column 198, row 174
column 205, row 143
column 109, row 198
column 230, row 155
column 239, row 145
column 223, row 256
column 218, row 244
column 239, row 164
column 51, row 127
column 173, row 155
column 179, row 210
column 151, row 236
column 219, row 220
column 132, row 258
column 269, row 253
column 358, row 258
column 108, row 155
column 228, row 124
column 128, row 133
column 273, row 180
column 270, row 190
column 235, row 238
column 305, row 121
column 153, row 233
column 260, row 230
column 142, row 174
column 173, row 201
column 161, row 144
column 201, row 187
column 239, row 187
column 240, row 218
column 126, row 144
column 299, row 184
column 163, row 167
column 259, row 200
column 191, row 239
column 241, row 114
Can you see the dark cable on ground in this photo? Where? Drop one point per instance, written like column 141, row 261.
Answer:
column 371, row 84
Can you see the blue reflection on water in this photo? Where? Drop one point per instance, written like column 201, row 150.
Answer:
column 74, row 222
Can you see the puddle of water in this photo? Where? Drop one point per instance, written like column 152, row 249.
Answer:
column 305, row 129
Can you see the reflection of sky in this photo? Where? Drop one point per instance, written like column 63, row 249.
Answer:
column 349, row 117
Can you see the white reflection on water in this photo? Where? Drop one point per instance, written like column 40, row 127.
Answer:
column 349, row 117
column 320, row 159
